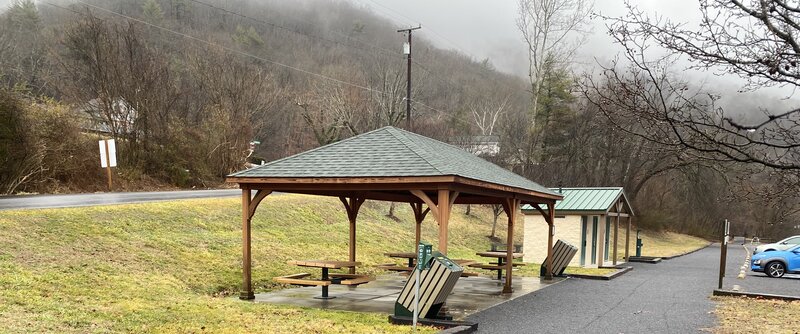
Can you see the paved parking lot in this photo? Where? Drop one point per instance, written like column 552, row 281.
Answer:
column 756, row 282
column 669, row 297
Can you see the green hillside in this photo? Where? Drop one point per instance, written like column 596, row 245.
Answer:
column 175, row 266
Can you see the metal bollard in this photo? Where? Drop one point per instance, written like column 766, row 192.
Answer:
column 639, row 244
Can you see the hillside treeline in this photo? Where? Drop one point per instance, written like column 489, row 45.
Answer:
column 193, row 90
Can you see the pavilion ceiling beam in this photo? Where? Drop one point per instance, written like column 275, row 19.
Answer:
column 434, row 209
column 440, row 211
column 260, row 195
column 429, row 183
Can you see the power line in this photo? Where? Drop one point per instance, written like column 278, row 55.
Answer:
column 396, row 12
column 196, row 39
column 457, row 47
column 390, row 52
column 278, row 26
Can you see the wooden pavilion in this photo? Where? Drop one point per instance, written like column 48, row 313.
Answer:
column 390, row 164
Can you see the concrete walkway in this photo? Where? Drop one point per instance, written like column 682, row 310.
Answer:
column 668, row 297
column 470, row 295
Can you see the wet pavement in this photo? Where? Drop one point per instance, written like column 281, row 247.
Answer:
column 76, row 200
column 672, row 296
column 470, row 295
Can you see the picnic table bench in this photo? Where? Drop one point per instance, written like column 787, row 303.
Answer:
column 411, row 263
column 498, row 265
column 394, row 266
column 327, row 279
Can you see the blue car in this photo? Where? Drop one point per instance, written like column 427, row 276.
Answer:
column 777, row 263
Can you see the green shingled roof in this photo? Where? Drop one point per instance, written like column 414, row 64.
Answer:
column 586, row 199
column 390, row 152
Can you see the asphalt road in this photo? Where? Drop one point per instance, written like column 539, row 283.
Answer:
column 668, row 297
column 74, row 200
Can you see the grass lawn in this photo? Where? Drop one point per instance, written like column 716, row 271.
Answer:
column 176, row 266
column 750, row 315
column 660, row 244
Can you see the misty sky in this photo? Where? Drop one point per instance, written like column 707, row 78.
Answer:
column 486, row 29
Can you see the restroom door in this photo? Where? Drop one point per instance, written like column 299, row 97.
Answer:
column 583, row 240
column 594, row 239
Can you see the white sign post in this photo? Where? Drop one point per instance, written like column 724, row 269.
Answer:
column 108, row 157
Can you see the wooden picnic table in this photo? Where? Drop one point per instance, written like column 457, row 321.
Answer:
column 499, row 265
column 498, row 254
column 412, row 257
column 463, row 262
column 327, row 279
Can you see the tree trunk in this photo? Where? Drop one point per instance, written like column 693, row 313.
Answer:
column 391, row 210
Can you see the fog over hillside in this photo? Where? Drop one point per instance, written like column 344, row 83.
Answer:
column 487, row 29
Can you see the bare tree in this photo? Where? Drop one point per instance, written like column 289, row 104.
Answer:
column 755, row 40
column 497, row 209
column 552, row 31
column 486, row 113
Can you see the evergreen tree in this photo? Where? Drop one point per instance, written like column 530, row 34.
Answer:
column 23, row 15
column 152, row 12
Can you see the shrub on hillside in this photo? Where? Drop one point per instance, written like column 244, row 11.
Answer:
column 42, row 148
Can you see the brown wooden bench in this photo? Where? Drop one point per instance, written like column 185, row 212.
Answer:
column 513, row 264
column 299, row 279
column 487, row 266
column 394, row 267
column 468, row 274
column 495, row 267
column 351, row 279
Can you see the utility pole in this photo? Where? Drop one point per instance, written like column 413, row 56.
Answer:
column 407, row 52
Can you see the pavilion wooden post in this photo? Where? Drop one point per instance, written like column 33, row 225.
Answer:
column 511, row 206
column 247, row 287
column 352, row 205
column 601, row 252
column 628, row 238
column 550, row 218
column 445, row 204
column 419, row 216
column 616, row 229
column 248, row 210
column 551, row 215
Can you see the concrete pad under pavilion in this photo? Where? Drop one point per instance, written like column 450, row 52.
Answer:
column 470, row 295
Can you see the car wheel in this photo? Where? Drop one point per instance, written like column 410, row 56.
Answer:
column 775, row 269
